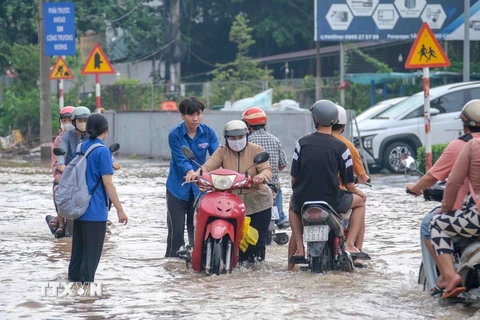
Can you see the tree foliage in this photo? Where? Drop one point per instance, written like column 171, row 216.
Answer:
column 244, row 68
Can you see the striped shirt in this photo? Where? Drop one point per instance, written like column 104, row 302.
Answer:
column 274, row 148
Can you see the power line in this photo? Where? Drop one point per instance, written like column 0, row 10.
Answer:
column 129, row 12
column 148, row 55
column 201, row 60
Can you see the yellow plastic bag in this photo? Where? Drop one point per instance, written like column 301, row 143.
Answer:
column 250, row 235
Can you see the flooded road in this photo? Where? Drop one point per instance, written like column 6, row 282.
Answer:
column 138, row 283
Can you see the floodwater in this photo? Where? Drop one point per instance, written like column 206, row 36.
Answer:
column 138, row 283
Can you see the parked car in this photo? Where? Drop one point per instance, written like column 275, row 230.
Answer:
column 375, row 110
column 401, row 128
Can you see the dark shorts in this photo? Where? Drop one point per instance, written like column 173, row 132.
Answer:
column 344, row 202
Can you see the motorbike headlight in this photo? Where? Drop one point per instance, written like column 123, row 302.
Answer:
column 241, row 183
column 222, row 182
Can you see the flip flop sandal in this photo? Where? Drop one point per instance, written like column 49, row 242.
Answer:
column 454, row 293
column 60, row 232
column 358, row 263
column 360, row 255
column 297, row 259
column 436, row 290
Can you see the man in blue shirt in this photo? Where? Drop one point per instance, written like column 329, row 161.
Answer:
column 89, row 229
column 199, row 138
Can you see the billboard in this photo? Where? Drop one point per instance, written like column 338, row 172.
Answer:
column 393, row 20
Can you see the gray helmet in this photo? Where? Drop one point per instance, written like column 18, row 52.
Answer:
column 324, row 112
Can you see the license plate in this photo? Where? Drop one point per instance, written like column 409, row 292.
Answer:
column 315, row 233
column 275, row 215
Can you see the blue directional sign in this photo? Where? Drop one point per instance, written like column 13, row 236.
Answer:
column 59, row 21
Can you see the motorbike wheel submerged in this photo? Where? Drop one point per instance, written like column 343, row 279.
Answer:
column 324, row 233
column 219, row 219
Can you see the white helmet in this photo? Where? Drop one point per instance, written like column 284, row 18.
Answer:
column 235, row 128
column 342, row 115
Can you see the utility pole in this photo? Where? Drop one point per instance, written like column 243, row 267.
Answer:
column 173, row 53
column 318, row 91
column 45, row 91
column 176, row 48
column 466, row 43
column 342, row 74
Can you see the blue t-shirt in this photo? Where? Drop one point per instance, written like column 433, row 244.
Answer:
column 99, row 163
column 205, row 140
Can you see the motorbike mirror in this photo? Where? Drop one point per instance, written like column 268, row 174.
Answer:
column 261, row 158
column 114, row 147
column 408, row 162
column 188, row 153
column 58, row 152
column 190, row 156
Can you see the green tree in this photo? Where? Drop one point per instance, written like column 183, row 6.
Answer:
column 277, row 26
column 244, row 68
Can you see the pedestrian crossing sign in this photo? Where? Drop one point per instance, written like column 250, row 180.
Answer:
column 426, row 52
column 97, row 62
column 60, row 70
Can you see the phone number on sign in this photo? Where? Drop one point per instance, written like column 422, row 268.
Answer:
column 362, row 37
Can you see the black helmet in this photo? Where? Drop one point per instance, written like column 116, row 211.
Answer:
column 324, row 112
column 96, row 125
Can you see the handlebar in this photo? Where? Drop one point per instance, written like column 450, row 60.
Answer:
column 368, row 183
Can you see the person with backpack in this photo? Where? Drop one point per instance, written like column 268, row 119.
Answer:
column 89, row 229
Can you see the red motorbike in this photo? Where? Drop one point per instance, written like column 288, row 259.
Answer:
column 218, row 219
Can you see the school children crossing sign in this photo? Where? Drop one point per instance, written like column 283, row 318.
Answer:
column 426, row 52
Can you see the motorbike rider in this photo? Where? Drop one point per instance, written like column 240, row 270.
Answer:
column 317, row 160
column 256, row 119
column 237, row 154
column 464, row 222
column 65, row 120
column 440, row 171
column 201, row 139
column 74, row 136
column 358, row 169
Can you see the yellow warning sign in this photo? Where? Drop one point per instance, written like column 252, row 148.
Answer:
column 60, row 70
column 97, row 62
column 426, row 52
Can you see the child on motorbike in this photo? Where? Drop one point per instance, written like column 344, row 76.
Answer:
column 358, row 170
column 464, row 222
column 237, row 154
column 440, row 171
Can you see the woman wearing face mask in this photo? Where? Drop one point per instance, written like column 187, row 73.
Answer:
column 65, row 125
column 237, row 154
column 76, row 135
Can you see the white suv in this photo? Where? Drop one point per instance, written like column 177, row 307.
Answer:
column 401, row 129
